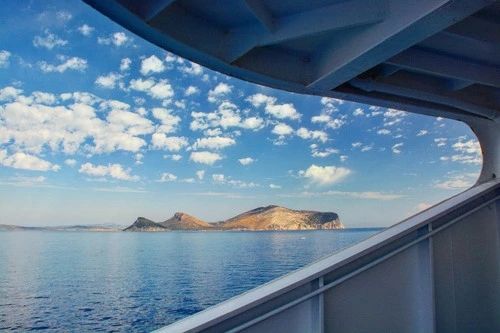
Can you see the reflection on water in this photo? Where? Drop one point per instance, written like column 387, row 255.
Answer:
column 71, row 281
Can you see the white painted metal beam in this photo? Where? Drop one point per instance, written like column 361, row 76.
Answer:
column 446, row 66
column 153, row 8
column 334, row 17
column 407, row 24
column 260, row 11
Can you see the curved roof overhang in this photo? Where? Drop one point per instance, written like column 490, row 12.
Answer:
column 436, row 57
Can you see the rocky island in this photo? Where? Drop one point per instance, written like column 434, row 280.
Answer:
column 262, row 218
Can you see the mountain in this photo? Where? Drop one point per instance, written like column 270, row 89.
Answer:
column 143, row 224
column 262, row 218
column 281, row 218
column 183, row 221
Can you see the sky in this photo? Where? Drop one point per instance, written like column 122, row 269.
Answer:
column 100, row 126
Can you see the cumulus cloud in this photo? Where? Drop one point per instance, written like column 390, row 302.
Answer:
column 115, row 171
column 167, row 177
column 326, row 175
column 358, row 112
column 282, row 130
column 274, row 186
column 117, row 39
column 214, row 142
column 246, row 160
column 71, row 162
column 169, row 121
column 316, row 152
column 191, row 90
column 26, row 162
column 157, row 90
column 200, row 174
column 73, row 63
column 219, row 92
column 469, row 152
column 125, row 64
column 227, row 115
column 152, row 65
column 191, row 69
column 456, row 182
column 280, row 111
column 304, row 133
column 171, row 143
column 48, row 41
column 4, row 58
column 108, row 81
column 205, row 157
column 86, row 30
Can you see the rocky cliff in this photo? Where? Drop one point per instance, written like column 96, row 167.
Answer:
column 262, row 218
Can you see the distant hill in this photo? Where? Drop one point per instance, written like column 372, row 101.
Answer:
column 143, row 224
column 183, row 221
column 92, row 227
column 262, row 218
column 281, row 218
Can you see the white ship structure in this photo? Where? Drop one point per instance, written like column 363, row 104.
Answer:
column 438, row 271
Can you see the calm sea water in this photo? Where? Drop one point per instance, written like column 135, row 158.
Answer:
column 91, row 281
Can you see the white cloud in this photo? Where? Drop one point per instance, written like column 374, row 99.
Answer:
column 108, row 81
column 191, row 90
column 9, row 93
column 323, row 118
column 280, row 111
column 169, row 121
column 384, row 132
column 273, row 186
column 200, row 174
column 396, row 149
column 344, row 158
column 218, row 178
column 282, row 130
column 421, row 207
column 205, row 157
column 26, row 162
column 192, row 69
column 152, row 65
column 71, row 162
column 64, row 16
column 253, row 123
column 246, row 160
column 74, row 63
column 304, row 133
column 326, row 175
column 171, row 143
column 48, row 41
column 458, row 182
column 422, row 132
column 358, row 112
column 219, row 92
column 213, row 142
column 118, row 39
column 40, row 97
column 441, row 142
column 86, row 30
column 4, row 58
column 315, row 152
column 125, row 64
column 174, row 157
column 468, row 152
column 167, row 177
column 115, row 171
column 157, row 90
column 349, row 195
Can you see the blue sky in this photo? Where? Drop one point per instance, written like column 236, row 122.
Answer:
column 99, row 126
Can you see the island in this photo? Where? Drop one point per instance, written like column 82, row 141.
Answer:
column 262, row 218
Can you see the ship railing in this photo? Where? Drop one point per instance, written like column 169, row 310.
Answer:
column 438, row 271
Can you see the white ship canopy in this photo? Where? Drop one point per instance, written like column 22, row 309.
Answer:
column 437, row 57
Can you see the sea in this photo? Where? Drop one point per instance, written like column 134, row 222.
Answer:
column 138, row 282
